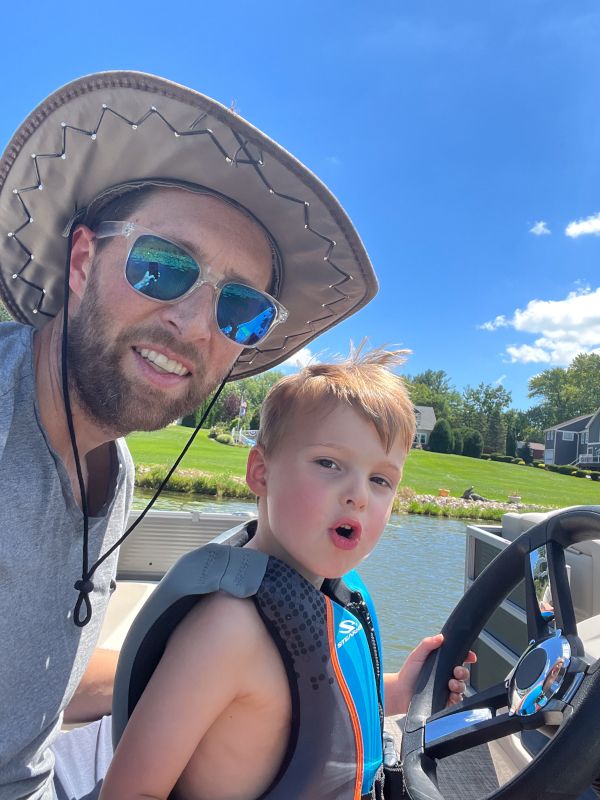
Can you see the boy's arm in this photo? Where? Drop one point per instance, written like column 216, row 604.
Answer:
column 197, row 678
column 399, row 687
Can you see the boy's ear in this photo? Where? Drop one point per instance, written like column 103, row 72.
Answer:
column 83, row 247
column 256, row 472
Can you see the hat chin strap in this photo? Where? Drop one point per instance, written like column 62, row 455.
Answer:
column 85, row 585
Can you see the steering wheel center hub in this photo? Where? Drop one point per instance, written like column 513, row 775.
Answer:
column 539, row 674
column 530, row 668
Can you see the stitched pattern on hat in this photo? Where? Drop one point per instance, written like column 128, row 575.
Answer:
column 243, row 156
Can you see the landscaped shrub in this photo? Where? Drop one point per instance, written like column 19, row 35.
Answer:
column 441, row 439
column 566, row 470
column 595, row 476
column 192, row 481
column 541, row 465
column 213, row 433
column 224, row 438
column 472, row 444
column 503, row 459
column 579, row 473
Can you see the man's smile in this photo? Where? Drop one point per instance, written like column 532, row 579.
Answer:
column 162, row 362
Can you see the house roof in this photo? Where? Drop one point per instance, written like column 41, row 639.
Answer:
column 425, row 418
column 589, row 425
column 569, row 421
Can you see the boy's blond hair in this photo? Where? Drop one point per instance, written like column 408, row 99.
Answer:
column 363, row 381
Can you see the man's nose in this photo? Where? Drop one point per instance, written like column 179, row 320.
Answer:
column 192, row 319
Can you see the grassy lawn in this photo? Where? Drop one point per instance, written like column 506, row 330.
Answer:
column 425, row 472
column 163, row 447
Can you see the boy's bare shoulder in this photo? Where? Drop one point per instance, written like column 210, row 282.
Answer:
column 228, row 624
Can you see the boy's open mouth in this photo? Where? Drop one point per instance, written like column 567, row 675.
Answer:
column 347, row 529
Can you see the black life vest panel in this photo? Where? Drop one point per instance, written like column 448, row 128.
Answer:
column 329, row 646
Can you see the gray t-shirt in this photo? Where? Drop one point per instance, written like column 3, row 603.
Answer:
column 43, row 654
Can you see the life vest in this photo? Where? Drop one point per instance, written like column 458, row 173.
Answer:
column 328, row 641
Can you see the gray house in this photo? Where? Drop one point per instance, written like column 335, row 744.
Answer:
column 425, row 417
column 576, row 441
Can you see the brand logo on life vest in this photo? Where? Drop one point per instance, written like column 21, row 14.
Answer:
column 348, row 628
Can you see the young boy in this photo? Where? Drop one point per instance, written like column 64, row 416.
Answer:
column 228, row 713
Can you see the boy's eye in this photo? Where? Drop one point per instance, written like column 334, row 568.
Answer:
column 381, row 481
column 327, row 463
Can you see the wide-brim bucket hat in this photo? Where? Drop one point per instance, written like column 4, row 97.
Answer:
column 104, row 132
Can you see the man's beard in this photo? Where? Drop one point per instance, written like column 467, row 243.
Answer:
column 104, row 391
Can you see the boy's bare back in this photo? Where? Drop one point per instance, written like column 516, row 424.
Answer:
column 216, row 711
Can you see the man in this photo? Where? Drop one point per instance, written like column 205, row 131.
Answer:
column 194, row 250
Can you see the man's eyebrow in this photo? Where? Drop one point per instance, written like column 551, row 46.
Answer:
column 192, row 247
column 196, row 251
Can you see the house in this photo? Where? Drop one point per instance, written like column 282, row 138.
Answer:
column 425, row 418
column 576, row 441
column 537, row 449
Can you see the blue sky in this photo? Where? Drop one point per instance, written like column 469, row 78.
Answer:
column 463, row 138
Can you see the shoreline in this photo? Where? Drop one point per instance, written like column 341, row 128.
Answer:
column 227, row 487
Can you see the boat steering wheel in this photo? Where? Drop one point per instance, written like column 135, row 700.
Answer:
column 553, row 683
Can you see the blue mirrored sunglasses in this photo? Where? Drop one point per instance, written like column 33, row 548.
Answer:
column 162, row 270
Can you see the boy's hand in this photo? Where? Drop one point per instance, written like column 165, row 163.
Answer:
column 400, row 686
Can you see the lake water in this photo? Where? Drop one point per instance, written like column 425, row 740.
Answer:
column 415, row 574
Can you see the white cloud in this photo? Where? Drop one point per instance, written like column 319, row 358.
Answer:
column 540, row 228
column 499, row 381
column 334, row 161
column 584, row 227
column 525, row 354
column 563, row 328
column 499, row 322
column 301, row 359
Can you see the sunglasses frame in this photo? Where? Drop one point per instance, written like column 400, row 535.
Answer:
column 110, row 228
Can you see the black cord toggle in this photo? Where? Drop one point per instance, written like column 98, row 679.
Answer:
column 86, row 586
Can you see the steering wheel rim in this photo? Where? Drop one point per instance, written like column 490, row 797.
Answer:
column 574, row 705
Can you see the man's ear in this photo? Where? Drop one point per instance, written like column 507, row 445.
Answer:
column 256, row 472
column 83, row 248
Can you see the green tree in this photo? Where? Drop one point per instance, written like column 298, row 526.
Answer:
column 496, row 432
column 525, row 453
column 4, row 315
column 253, row 389
column 254, row 420
column 433, row 388
column 473, row 444
column 441, row 439
column 558, row 401
column 566, row 393
column 584, row 376
column 436, row 380
column 478, row 404
column 511, row 443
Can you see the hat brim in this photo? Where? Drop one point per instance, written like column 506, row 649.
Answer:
column 110, row 128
